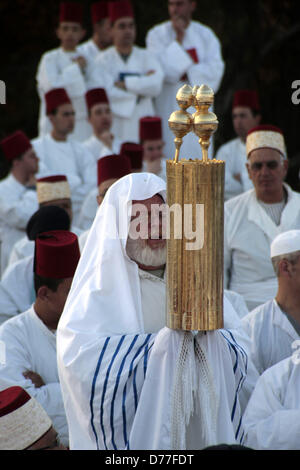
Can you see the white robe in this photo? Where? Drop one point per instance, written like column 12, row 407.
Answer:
column 98, row 149
column 271, row 333
column 71, row 159
column 17, row 204
column 30, row 345
column 57, row 70
column 88, row 210
column 248, row 233
column 176, row 62
column 137, row 101
column 272, row 418
column 234, row 154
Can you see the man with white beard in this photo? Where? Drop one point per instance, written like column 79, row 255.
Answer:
column 115, row 351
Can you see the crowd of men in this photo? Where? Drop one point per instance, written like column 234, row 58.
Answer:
column 86, row 359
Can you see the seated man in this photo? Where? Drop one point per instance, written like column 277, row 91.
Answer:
column 63, row 156
column 120, row 357
column 102, row 142
column 274, row 325
column 30, row 338
column 24, row 424
column 245, row 116
column 253, row 219
column 51, row 191
column 153, row 145
column 109, row 170
column 17, row 196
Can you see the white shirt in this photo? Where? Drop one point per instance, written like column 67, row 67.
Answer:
column 30, row 345
column 129, row 105
column 99, row 149
column 248, row 233
column 57, row 70
column 271, row 333
column 17, row 204
column 88, row 210
column 176, row 62
column 272, row 418
column 68, row 158
column 234, row 154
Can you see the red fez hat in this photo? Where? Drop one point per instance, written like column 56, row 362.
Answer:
column 99, row 11
column 15, row 145
column 96, row 96
column 52, row 179
column 113, row 166
column 265, row 127
column 56, row 97
column 135, row 154
column 150, row 128
column 56, row 254
column 120, row 9
column 11, row 399
column 248, row 98
column 71, row 11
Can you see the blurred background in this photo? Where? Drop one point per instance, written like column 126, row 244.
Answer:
column 260, row 45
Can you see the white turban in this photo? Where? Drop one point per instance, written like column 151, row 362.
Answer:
column 286, row 242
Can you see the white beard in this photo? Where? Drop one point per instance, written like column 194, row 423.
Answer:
column 143, row 254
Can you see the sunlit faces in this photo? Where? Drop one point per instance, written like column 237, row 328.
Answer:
column 181, row 8
column 124, row 32
column 267, row 169
column 63, row 121
column 103, row 188
column 54, row 301
column 100, row 117
column 243, row 120
column 153, row 149
column 70, row 34
column 30, row 162
column 102, row 29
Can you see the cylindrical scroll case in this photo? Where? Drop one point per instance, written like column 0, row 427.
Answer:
column 195, row 266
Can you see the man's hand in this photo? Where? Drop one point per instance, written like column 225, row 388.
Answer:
column 237, row 177
column 81, row 62
column 107, row 138
column 179, row 25
column 120, row 85
column 35, row 378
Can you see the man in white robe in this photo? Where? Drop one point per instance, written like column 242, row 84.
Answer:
column 116, row 358
column 51, row 191
column 245, row 116
column 253, row 219
column 274, row 326
column 133, row 76
column 109, row 170
column 18, row 199
column 61, row 155
column 64, row 67
column 188, row 52
column 102, row 142
column 272, row 418
column 101, row 36
column 30, row 338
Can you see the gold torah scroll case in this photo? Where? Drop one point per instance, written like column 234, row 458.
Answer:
column 195, row 200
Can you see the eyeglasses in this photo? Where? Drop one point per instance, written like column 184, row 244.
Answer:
column 271, row 165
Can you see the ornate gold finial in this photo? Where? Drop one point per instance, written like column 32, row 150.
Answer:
column 205, row 123
column 180, row 121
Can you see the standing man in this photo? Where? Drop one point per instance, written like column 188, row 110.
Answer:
column 30, row 338
column 188, row 52
column 64, row 67
column 253, row 219
column 61, row 155
column 17, row 195
column 102, row 142
column 101, row 38
column 133, row 75
column 245, row 116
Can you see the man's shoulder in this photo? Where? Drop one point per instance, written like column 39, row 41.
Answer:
column 259, row 314
column 227, row 146
column 52, row 53
column 239, row 201
column 16, row 323
column 160, row 27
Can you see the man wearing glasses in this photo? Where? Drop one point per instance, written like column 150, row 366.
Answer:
column 253, row 219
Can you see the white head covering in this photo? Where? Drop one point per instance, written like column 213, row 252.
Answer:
column 286, row 242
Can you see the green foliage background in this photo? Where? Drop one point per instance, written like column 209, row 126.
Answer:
column 260, row 45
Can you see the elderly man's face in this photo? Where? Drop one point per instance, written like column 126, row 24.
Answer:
column 146, row 244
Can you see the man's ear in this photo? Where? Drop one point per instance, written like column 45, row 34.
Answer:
column 43, row 293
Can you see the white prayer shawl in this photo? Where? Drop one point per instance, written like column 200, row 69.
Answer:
column 68, row 158
column 234, row 154
column 57, row 70
column 271, row 333
column 176, row 62
column 248, row 233
column 16, row 289
column 104, row 349
column 272, row 418
column 30, row 345
column 129, row 105
column 17, row 204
